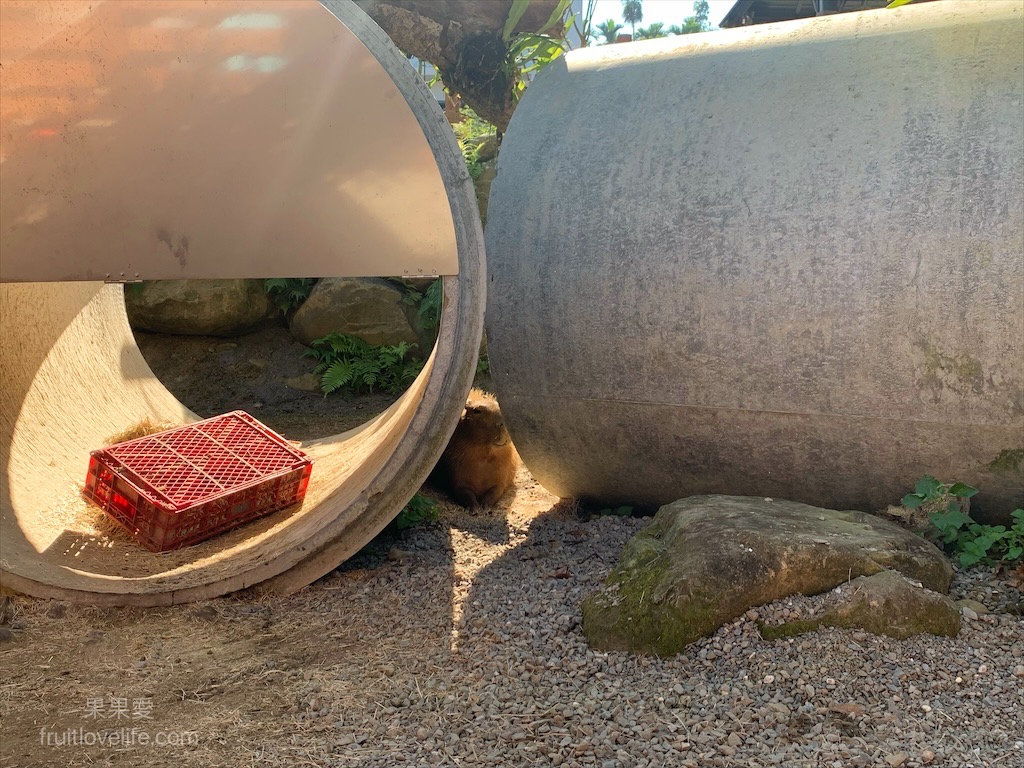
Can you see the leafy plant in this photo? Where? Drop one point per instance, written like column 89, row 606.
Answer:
column 349, row 363
column 655, row 30
column 616, row 511
column 418, row 511
column 976, row 544
column 530, row 52
column 929, row 489
column 429, row 311
column 483, row 365
column 287, row 293
column 971, row 542
column 607, row 31
column 472, row 133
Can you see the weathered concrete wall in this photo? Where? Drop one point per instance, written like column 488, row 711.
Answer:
column 783, row 261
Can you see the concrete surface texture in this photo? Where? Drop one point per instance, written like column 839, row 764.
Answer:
column 781, row 261
column 73, row 375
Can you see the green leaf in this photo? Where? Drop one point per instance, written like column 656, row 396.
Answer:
column 898, row 3
column 949, row 524
column 515, row 14
column 927, row 487
column 912, row 501
column 338, row 375
column 556, row 16
column 962, row 490
column 968, row 559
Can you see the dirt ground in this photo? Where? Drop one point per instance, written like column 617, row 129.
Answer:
column 206, row 684
column 215, row 375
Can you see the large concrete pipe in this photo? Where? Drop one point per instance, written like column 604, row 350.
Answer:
column 781, row 261
column 160, row 139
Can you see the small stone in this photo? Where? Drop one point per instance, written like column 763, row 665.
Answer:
column 6, row 635
column 1018, row 671
column 727, row 750
column 895, row 761
column 927, row 756
column 969, row 614
column 979, row 609
column 735, row 739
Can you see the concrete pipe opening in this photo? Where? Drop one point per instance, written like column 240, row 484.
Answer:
column 783, row 261
column 165, row 140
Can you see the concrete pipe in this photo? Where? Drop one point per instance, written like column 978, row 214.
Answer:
column 171, row 139
column 785, row 261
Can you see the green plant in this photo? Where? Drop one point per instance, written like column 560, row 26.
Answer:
column 349, row 363
column 472, row 133
column 606, row 31
column 616, row 511
column 420, row 509
column 483, row 365
column 287, row 293
column 928, row 489
column 971, row 542
column 530, row 52
column 429, row 311
column 633, row 13
column 976, row 544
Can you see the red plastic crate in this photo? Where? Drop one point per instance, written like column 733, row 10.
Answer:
column 179, row 487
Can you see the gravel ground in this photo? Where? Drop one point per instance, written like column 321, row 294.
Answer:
column 520, row 686
column 459, row 645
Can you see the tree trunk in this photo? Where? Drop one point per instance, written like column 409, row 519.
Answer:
column 462, row 39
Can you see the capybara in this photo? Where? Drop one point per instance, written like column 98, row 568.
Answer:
column 479, row 464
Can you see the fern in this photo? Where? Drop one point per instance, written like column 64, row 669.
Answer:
column 429, row 312
column 351, row 364
column 287, row 293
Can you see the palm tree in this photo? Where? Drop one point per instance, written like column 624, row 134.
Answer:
column 657, row 29
column 696, row 23
column 608, row 30
column 633, row 13
column 690, row 25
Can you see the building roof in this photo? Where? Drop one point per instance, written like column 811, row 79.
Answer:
column 746, row 12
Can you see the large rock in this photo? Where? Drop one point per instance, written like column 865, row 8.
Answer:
column 887, row 603
column 198, row 307
column 706, row 560
column 367, row 307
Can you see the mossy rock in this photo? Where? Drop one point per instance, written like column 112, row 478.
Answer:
column 884, row 604
column 706, row 560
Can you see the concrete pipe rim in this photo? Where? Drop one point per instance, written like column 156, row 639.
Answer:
column 417, row 425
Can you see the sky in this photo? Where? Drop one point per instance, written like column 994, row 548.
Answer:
column 668, row 11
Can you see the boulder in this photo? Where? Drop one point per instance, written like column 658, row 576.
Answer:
column 368, row 307
column 198, row 307
column 887, row 603
column 706, row 560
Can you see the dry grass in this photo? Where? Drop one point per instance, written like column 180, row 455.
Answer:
column 140, row 429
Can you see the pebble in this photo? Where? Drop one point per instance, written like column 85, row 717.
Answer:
column 412, row 667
